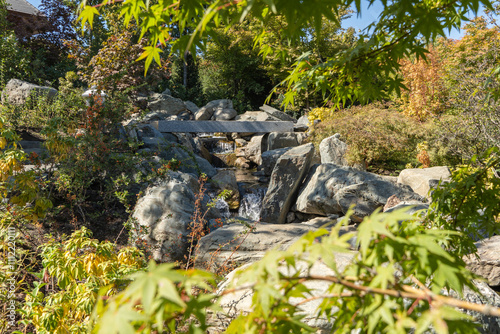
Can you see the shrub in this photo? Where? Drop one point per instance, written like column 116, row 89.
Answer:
column 75, row 271
column 377, row 137
column 37, row 112
column 426, row 94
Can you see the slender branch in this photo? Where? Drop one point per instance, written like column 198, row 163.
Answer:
column 408, row 292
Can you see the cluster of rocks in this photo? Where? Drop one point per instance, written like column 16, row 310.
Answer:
column 308, row 189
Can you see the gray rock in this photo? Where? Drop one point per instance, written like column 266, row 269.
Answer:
column 18, row 92
column 225, row 114
column 155, row 143
column 256, row 116
column 167, row 92
column 193, row 108
column 255, row 148
column 190, row 162
column 333, row 150
column 303, row 120
column 412, row 207
column 165, row 212
column 146, row 130
column 332, row 189
column 286, row 178
column 206, row 112
column 166, row 104
column 240, row 301
column 488, row 263
column 300, row 128
column 422, row 180
column 277, row 140
column 231, row 244
column 200, row 149
column 484, row 296
column 277, row 113
column 269, row 159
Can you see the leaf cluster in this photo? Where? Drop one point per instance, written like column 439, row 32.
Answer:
column 80, row 267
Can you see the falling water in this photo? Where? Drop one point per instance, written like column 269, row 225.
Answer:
column 220, row 204
column 224, row 147
column 223, row 208
column 251, row 203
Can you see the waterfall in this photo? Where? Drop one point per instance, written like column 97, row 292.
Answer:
column 224, row 147
column 251, row 203
column 223, row 208
column 220, row 204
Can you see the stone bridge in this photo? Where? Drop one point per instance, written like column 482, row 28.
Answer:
column 223, row 126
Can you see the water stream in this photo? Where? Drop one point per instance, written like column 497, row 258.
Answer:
column 251, row 203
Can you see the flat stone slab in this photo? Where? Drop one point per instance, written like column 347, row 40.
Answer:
column 222, row 126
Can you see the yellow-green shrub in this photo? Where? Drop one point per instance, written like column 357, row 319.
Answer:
column 76, row 270
column 320, row 114
column 377, row 137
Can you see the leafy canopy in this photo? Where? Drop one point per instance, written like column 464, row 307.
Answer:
column 363, row 72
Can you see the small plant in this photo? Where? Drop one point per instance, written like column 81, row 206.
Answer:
column 423, row 156
column 75, row 271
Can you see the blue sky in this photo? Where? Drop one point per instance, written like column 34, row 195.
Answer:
column 369, row 15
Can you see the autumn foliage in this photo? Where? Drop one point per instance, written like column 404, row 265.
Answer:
column 424, row 80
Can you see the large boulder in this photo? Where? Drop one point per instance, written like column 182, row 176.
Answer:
column 488, row 263
column 226, row 180
column 421, row 180
column 224, row 114
column 18, row 92
column 269, row 159
column 284, row 139
column 258, row 116
column 277, row 113
column 206, row 112
column 165, row 213
column 255, row 148
column 190, row 162
column 286, row 178
column 235, row 244
column 333, row 150
column 332, row 189
column 193, row 108
column 166, row 104
column 239, row 301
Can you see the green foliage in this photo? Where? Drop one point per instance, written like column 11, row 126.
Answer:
column 232, row 68
column 20, row 191
column 365, row 71
column 38, row 111
column 14, row 59
column 81, row 268
column 469, row 203
column 169, row 302
column 376, row 137
column 185, row 81
column 396, row 255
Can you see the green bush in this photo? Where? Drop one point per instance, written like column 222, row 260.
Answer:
column 377, row 137
column 37, row 112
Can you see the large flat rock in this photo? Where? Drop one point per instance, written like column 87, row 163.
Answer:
column 222, row 126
